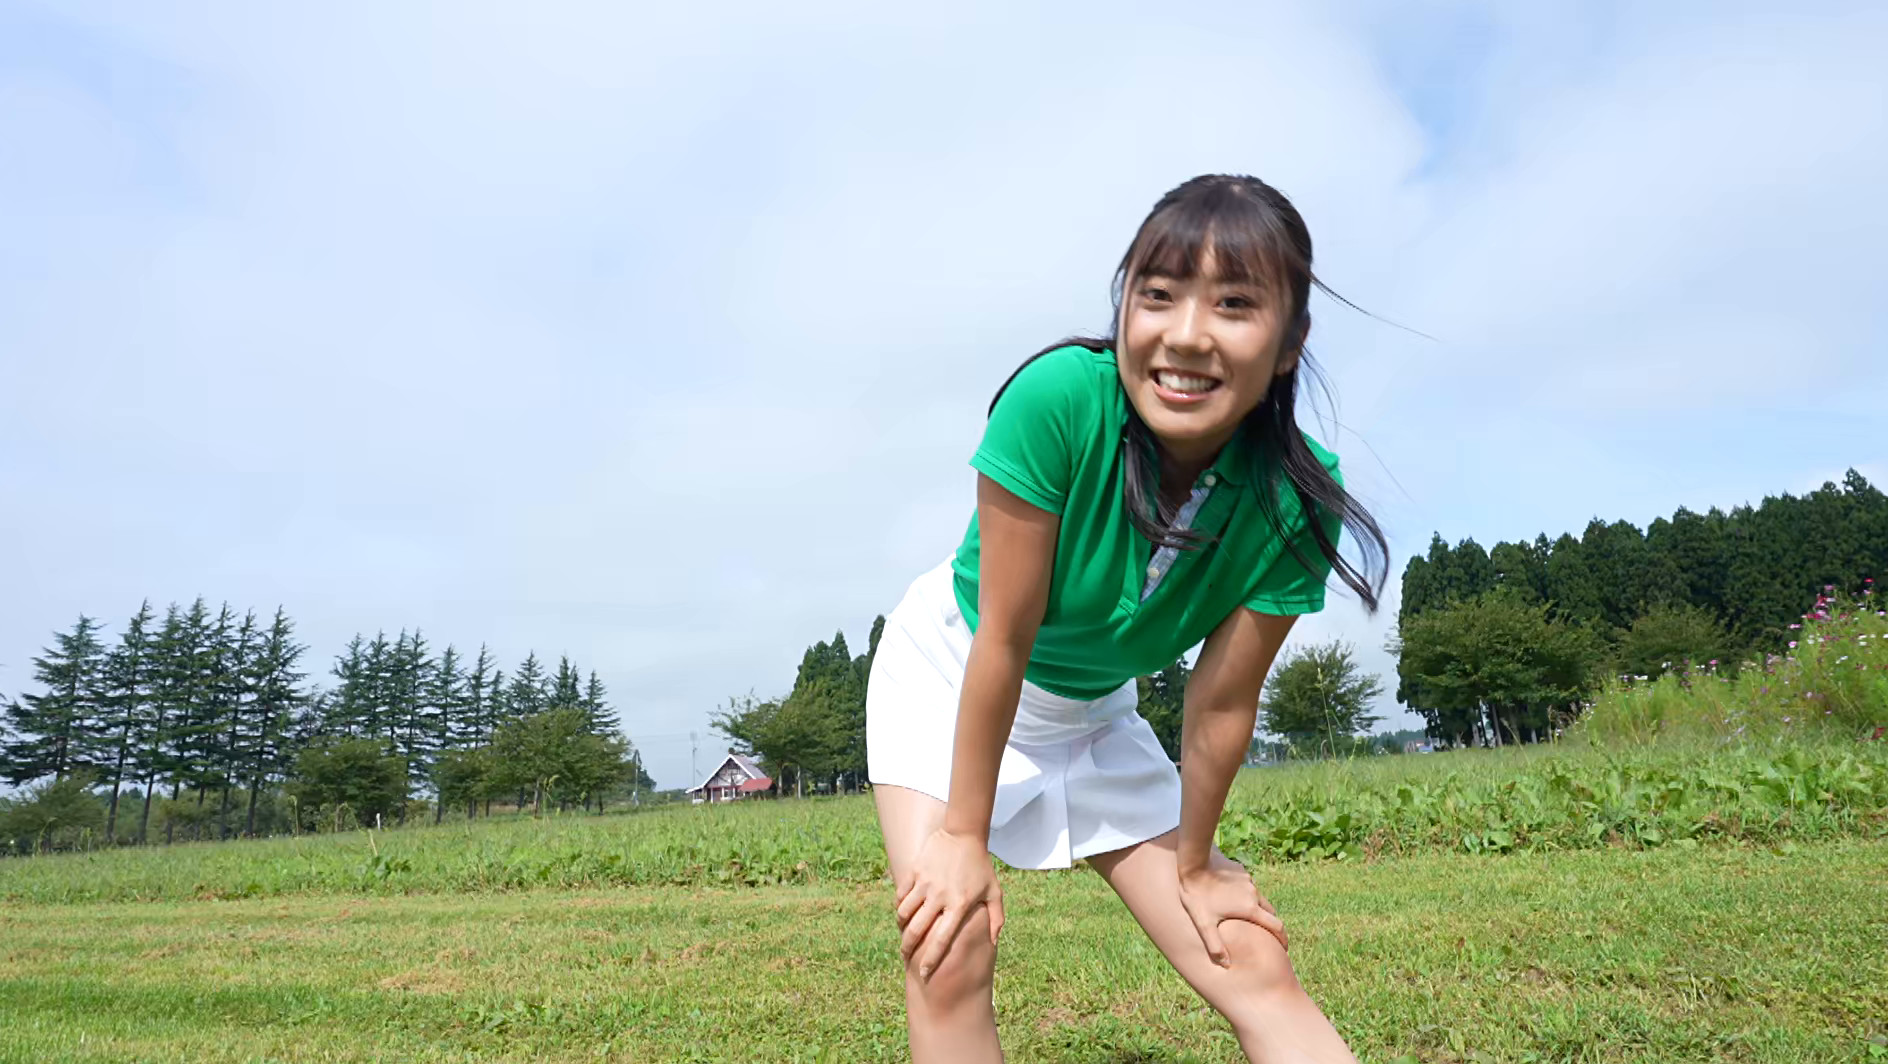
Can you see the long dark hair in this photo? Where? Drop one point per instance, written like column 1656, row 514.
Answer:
column 1254, row 234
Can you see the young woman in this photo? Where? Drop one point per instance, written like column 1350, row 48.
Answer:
column 1136, row 495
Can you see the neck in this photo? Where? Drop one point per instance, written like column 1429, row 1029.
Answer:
column 1183, row 465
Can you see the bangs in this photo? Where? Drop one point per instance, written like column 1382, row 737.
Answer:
column 1245, row 242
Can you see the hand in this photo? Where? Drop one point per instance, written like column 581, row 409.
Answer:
column 1223, row 891
column 954, row 876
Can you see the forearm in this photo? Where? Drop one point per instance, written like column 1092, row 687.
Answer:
column 1213, row 743
column 993, row 682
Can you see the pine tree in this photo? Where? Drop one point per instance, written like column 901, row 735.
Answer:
column 409, row 675
column 184, row 685
column 277, row 701
column 474, row 728
column 154, row 761
column 57, row 729
column 345, row 713
column 376, row 689
column 497, row 708
column 128, row 702
column 567, row 688
column 529, row 692
column 597, row 709
column 233, row 682
column 446, row 705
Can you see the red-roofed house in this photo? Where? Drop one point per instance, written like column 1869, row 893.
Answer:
column 735, row 778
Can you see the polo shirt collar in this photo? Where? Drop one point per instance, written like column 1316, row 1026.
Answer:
column 1233, row 466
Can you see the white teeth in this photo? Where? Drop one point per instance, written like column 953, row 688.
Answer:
column 1181, row 382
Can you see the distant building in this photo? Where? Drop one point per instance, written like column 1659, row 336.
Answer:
column 1419, row 746
column 735, row 778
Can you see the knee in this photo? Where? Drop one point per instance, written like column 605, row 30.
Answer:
column 966, row 975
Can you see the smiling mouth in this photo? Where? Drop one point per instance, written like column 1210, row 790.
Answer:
column 1183, row 385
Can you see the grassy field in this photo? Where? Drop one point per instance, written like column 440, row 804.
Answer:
column 1717, row 898
column 1544, row 799
column 1721, row 953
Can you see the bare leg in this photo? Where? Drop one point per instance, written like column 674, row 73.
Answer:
column 1276, row 1021
column 950, row 1016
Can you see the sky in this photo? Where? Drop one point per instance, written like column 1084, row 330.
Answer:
column 659, row 336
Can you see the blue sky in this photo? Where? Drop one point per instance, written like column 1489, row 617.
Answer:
column 660, row 337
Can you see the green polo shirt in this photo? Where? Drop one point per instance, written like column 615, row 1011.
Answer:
column 1054, row 440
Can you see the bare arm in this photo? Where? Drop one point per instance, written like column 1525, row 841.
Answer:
column 1018, row 551
column 1222, row 702
column 952, row 875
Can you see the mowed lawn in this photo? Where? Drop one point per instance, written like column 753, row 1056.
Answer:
column 1713, row 953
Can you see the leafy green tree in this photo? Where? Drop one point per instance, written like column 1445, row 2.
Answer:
column 468, row 776
column 804, row 734
column 551, row 753
column 1670, row 637
column 1493, row 663
column 366, row 775
column 1163, row 703
column 56, row 730
column 55, row 814
column 1319, row 696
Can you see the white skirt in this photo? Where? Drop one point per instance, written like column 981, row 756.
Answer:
column 1077, row 778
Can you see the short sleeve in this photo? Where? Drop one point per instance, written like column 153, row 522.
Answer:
column 1293, row 586
column 1041, row 419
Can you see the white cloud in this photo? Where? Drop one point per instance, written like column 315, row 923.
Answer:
column 659, row 336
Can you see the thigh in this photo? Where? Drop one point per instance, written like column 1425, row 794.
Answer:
column 906, row 818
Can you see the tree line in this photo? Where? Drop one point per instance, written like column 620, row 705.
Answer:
column 208, row 717
column 1500, row 645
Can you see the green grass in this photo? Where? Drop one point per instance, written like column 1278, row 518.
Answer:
column 1681, row 893
column 1566, row 797
column 1724, row 953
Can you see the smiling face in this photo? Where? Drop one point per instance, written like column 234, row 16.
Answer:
column 1200, row 348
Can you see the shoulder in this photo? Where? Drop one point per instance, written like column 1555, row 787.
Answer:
column 1286, row 508
column 1070, row 372
column 1325, row 456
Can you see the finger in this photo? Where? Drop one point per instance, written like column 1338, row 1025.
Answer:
column 938, row 942
column 1215, row 947
column 912, row 901
column 1270, row 921
column 1266, row 904
column 996, row 916
column 916, row 929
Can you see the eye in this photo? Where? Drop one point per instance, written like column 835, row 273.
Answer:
column 1156, row 293
column 1238, row 303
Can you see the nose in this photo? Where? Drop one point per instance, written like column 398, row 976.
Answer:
column 1186, row 328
